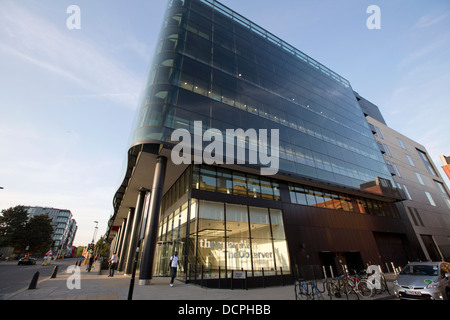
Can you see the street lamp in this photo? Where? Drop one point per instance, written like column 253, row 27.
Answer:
column 95, row 231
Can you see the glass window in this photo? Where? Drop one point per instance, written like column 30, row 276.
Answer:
column 300, row 194
column 192, row 239
column 411, row 162
column 276, row 191
column 427, row 163
column 276, row 219
column 262, row 249
column 292, row 194
column 430, row 199
column 407, row 192
column 396, row 170
column 176, row 225
column 224, row 181
column 266, row 188
column 169, row 227
column 362, row 206
column 379, row 132
column 400, row 141
column 208, row 178
column 320, row 201
column 182, row 228
column 254, row 189
column 419, row 177
column 387, row 150
column 440, row 187
column 238, row 237
column 239, row 184
column 346, row 202
column 310, row 198
column 279, row 241
column 211, row 237
column 196, row 177
column 259, row 223
column 328, row 200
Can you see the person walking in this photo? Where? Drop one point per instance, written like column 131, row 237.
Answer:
column 112, row 264
column 174, row 261
column 91, row 262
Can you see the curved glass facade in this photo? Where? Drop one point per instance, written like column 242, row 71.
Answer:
column 215, row 66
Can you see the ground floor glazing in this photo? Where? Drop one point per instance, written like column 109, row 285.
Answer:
column 215, row 238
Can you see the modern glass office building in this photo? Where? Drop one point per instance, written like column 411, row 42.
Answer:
column 64, row 227
column 331, row 199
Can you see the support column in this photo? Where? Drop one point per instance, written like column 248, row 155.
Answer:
column 115, row 243
column 126, row 239
column 120, row 241
column 151, row 230
column 135, row 230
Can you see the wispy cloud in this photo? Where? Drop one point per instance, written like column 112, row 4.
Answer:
column 431, row 19
column 32, row 39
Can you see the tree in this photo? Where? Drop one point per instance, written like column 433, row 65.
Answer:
column 12, row 227
column 19, row 232
column 38, row 234
column 80, row 250
column 102, row 247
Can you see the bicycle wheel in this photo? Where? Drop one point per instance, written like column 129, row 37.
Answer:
column 316, row 294
column 334, row 289
column 349, row 290
column 301, row 292
column 364, row 289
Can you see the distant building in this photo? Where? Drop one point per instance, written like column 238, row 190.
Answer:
column 427, row 201
column 64, row 227
column 446, row 167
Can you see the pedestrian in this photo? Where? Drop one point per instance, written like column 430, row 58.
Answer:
column 174, row 261
column 112, row 264
column 91, row 262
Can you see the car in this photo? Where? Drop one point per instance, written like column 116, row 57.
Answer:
column 26, row 260
column 423, row 281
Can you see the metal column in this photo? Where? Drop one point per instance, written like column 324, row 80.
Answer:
column 126, row 239
column 151, row 231
column 135, row 230
column 118, row 249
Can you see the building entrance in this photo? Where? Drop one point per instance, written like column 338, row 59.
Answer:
column 165, row 250
column 336, row 263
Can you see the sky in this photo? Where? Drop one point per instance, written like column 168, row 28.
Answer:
column 68, row 97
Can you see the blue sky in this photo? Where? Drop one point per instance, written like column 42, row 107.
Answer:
column 68, row 97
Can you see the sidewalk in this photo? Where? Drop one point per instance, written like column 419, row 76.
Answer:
column 101, row 287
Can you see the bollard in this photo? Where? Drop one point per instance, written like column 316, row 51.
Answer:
column 34, row 281
column 55, row 271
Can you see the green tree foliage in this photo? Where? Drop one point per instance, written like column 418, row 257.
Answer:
column 19, row 232
column 102, row 247
column 12, row 226
column 38, row 234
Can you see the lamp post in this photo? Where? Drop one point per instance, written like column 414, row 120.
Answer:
column 95, row 231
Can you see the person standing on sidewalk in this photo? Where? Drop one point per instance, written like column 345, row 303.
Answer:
column 112, row 264
column 91, row 262
column 174, row 261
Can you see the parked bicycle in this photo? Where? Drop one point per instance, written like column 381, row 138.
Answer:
column 351, row 287
column 308, row 290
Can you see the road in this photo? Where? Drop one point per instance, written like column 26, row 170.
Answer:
column 14, row 278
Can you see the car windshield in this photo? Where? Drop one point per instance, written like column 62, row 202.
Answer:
column 420, row 270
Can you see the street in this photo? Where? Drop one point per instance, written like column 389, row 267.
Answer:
column 14, row 278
